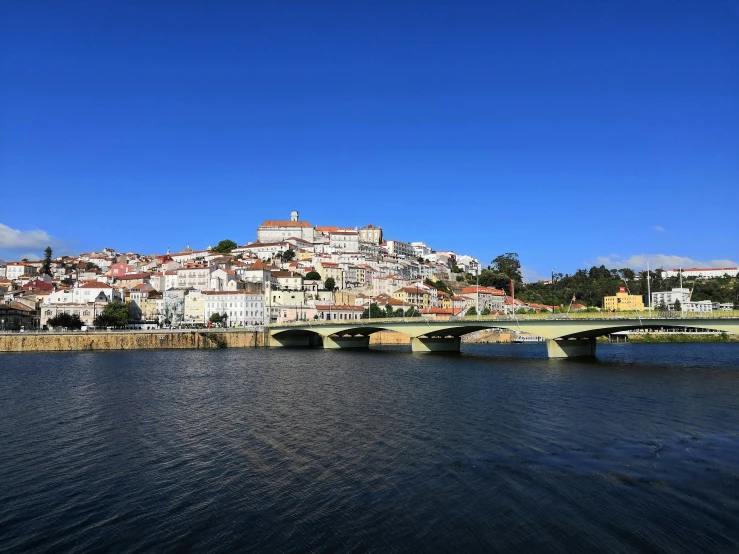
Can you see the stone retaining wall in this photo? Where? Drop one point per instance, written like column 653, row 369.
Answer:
column 66, row 342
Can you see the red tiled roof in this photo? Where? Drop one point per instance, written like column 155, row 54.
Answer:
column 215, row 292
column 94, row 285
column 483, row 290
column 441, row 311
column 133, row 276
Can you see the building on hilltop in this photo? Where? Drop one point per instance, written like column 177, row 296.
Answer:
column 371, row 235
column 705, row 272
column 280, row 230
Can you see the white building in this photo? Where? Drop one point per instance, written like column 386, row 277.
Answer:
column 706, row 272
column 333, row 311
column 468, row 264
column 371, row 235
column 386, row 284
column 263, row 250
column 15, row 269
column 281, row 230
column 93, row 291
column 196, row 276
column 243, row 309
column 669, row 297
column 699, row 306
column 398, row 248
column 344, row 241
column 420, row 250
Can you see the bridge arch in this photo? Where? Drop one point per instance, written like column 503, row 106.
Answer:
column 565, row 336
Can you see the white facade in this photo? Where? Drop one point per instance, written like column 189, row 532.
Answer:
column 398, row 248
column 706, row 272
column 468, row 264
column 263, row 250
column 370, row 235
column 699, row 306
column 344, row 241
column 15, row 269
column 337, row 312
column 280, row 230
column 669, row 297
column 89, row 292
column 387, row 285
column 196, row 277
column 244, row 309
column 420, row 250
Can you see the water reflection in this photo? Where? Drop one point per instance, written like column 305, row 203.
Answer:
column 496, row 447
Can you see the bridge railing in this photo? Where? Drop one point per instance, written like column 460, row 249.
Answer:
column 507, row 318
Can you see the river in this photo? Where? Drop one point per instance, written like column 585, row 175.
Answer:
column 496, row 448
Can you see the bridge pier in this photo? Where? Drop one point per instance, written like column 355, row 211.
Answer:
column 435, row 344
column 292, row 341
column 571, row 348
column 359, row 341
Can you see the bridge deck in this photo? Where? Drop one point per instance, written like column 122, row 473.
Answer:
column 567, row 336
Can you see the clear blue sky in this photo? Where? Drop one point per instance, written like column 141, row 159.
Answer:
column 565, row 131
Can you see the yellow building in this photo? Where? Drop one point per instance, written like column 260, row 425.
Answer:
column 194, row 308
column 623, row 302
column 413, row 296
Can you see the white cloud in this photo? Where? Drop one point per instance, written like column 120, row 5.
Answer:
column 15, row 238
column 531, row 275
column 639, row 261
column 658, row 228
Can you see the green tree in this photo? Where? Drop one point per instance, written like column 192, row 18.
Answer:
column 438, row 285
column 389, row 311
column 662, row 307
column 330, row 284
column 91, row 266
column 225, row 246
column 313, row 276
column 509, row 265
column 412, row 312
column 472, row 311
column 288, row 255
column 398, row 313
column 66, row 320
column 46, row 267
column 375, row 311
column 495, row 279
column 485, row 311
column 215, row 317
column 114, row 314
column 677, row 306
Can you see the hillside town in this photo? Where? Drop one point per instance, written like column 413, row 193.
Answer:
column 293, row 271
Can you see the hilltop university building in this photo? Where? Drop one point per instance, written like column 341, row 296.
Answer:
column 279, row 231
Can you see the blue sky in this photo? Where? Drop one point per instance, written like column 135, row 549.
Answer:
column 570, row 132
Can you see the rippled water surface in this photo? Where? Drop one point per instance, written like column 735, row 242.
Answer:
column 300, row 450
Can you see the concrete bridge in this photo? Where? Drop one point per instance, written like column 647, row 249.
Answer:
column 566, row 336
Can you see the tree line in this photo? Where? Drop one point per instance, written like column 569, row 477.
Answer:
column 589, row 286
